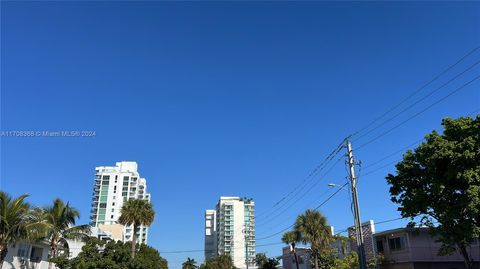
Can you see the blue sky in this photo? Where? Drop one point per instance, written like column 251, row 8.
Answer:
column 224, row 98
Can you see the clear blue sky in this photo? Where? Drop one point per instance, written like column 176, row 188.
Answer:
column 222, row 98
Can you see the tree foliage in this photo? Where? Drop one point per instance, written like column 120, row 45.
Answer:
column 14, row 221
column 291, row 237
column 263, row 262
column 350, row 261
column 218, row 262
column 58, row 225
column 439, row 182
column 136, row 212
column 311, row 228
column 112, row 255
column 189, row 264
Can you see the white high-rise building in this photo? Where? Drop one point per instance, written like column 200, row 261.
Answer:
column 230, row 230
column 113, row 186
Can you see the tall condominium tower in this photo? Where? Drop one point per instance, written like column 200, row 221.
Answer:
column 230, row 230
column 113, row 186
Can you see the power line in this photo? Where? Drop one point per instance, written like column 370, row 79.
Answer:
column 305, row 182
column 375, row 223
column 415, row 92
column 203, row 250
column 418, row 101
column 381, row 167
column 420, row 112
column 309, row 205
column 301, row 196
column 290, row 226
column 392, row 154
column 400, row 150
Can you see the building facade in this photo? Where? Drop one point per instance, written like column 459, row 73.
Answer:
column 34, row 255
column 230, row 230
column 114, row 185
column 210, row 234
column 303, row 258
column 407, row 248
column 368, row 232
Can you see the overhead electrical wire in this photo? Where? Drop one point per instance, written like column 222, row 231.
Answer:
column 371, row 171
column 393, row 154
column 290, row 226
column 417, row 102
column 292, row 194
column 203, row 250
column 416, row 92
column 418, row 113
column 290, row 205
column 309, row 205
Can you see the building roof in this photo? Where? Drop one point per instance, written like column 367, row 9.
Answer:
column 402, row 229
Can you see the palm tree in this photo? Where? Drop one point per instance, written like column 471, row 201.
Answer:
column 189, row 264
column 14, row 221
column 58, row 222
column 313, row 229
column 136, row 212
column 291, row 238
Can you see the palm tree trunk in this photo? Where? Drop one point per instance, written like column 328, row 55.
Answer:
column 134, row 239
column 3, row 254
column 52, row 254
column 466, row 257
column 316, row 260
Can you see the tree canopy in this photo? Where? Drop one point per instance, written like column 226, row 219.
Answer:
column 218, row 262
column 14, row 221
column 311, row 228
column 97, row 254
column 189, row 264
column 439, row 182
column 263, row 262
column 136, row 212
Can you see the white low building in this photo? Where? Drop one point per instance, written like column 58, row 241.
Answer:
column 35, row 255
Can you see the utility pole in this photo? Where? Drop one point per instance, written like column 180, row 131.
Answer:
column 356, row 209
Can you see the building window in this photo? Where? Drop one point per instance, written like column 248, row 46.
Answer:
column 380, row 246
column 396, row 243
column 36, row 254
column 22, row 250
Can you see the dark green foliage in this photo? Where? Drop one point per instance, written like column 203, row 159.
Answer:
column 148, row 258
column 136, row 212
column 348, row 262
column 265, row 263
column 325, row 258
column 61, row 261
column 439, row 182
column 112, row 255
column 189, row 264
column 218, row 262
column 311, row 228
column 14, row 220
